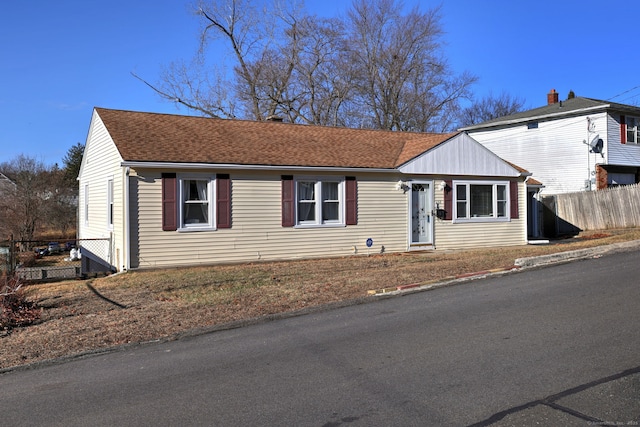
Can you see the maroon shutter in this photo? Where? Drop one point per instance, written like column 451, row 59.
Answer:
column 169, row 202
column 223, row 200
column 288, row 201
column 513, row 188
column 623, row 130
column 448, row 200
column 351, row 200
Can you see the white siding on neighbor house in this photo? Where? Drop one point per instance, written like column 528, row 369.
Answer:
column 256, row 232
column 450, row 235
column 101, row 162
column 554, row 152
column 618, row 153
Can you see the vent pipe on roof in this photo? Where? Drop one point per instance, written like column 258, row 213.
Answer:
column 552, row 97
column 274, row 119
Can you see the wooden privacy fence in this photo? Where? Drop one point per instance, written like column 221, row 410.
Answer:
column 616, row 207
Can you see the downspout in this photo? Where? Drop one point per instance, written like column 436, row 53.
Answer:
column 127, row 231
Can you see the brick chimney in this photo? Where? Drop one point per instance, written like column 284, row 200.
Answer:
column 552, row 97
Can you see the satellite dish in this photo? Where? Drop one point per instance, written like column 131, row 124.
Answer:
column 596, row 145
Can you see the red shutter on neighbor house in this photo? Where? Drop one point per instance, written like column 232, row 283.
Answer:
column 448, row 200
column 223, row 200
column 513, row 188
column 351, row 200
column 169, row 202
column 288, row 201
column 623, row 130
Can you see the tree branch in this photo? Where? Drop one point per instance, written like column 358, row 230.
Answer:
column 175, row 99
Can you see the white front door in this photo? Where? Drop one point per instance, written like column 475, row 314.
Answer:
column 421, row 213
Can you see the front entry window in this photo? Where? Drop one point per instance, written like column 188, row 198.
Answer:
column 481, row 201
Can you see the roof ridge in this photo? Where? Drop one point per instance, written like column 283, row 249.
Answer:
column 171, row 138
column 416, row 133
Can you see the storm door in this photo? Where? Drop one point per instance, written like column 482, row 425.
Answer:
column 421, row 214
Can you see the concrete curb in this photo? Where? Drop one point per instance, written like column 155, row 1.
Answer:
column 520, row 264
column 577, row 254
column 442, row 282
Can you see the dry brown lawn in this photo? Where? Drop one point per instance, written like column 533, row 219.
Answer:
column 166, row 304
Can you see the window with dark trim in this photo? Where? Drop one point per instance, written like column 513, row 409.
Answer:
column 196, row 206
column 195, row 202
column 481, row 201
column 319, row 201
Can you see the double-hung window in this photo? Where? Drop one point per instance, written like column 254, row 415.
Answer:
column 86, row 204
column 319, row 201
column 196, row 206
column 110, row 204
column 632, row 130
column 481, row 201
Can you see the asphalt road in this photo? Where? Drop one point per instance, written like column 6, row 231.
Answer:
column 554, row 346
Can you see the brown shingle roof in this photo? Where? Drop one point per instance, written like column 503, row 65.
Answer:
column 151, row 137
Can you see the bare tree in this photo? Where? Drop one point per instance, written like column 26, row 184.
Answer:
column 22, row 205
column 404, row 80
column 253, row 88
column 490, row 107
column 61, row 196
column 378, row 68
column 320, row 82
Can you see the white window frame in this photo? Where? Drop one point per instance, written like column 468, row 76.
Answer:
column 210, row 192
column 632, row 129
column 86, row 204
column 318, row 201
column 110, row 210
column 463, row 217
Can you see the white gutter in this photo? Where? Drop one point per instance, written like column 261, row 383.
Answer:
column 534, row 118
column 127, row 222
column 235, row 166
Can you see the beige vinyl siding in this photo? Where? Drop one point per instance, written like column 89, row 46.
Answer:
column 256, row 232
column 449, row 235
column 101, row 162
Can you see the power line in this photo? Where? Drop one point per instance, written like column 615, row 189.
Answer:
column 626, row 91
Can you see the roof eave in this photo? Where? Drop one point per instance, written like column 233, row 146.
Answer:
column 234, row 166
column 536, row 118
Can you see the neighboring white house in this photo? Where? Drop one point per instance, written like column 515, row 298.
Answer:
column 573, row 145
column 173, row 190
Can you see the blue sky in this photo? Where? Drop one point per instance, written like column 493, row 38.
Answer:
column 59, row 59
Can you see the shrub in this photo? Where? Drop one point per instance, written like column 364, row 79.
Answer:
column 15, row 309
column 27, row 259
